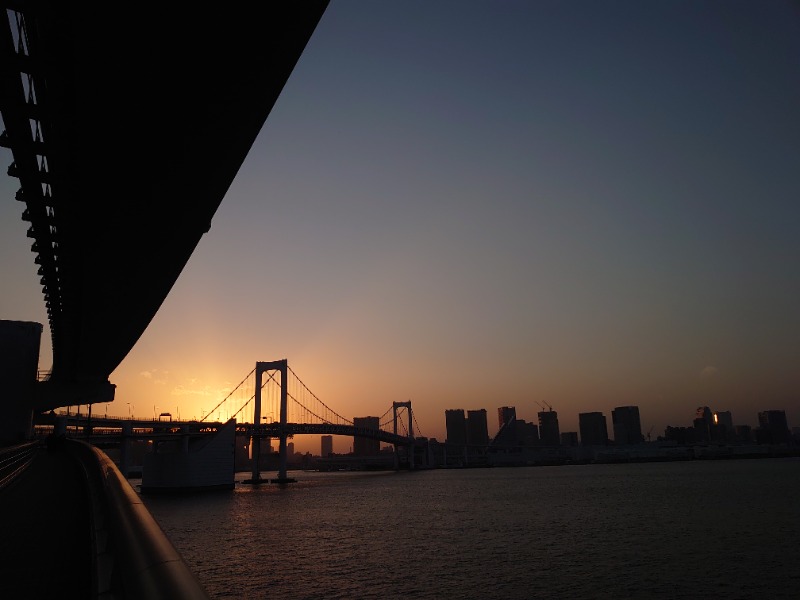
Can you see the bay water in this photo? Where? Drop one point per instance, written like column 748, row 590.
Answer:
column 696, row 529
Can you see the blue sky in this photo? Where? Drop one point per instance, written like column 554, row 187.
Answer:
column 477, row 204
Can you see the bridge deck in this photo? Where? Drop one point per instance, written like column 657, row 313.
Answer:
column 45, row 528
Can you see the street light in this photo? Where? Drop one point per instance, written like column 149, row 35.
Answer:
column 129, row 410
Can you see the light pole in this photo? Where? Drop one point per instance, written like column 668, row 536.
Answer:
column 155, row 408
column 129, row 410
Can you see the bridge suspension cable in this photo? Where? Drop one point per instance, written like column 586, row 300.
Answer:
column 403, row 425
column 313, row 395
column 271, row 377
column 416, row 425
column 381, row 422
column 229, row 395
column 305, row 407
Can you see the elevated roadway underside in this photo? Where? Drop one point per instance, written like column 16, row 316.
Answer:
column 127, row 125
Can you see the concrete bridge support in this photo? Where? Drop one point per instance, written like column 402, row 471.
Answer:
column 395, row 406
column 282, row 366
column 19, row 365
column 125, row 449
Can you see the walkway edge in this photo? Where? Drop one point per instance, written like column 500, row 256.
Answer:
column 134, row 557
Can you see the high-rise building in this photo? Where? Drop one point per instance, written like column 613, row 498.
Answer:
column 724, row 418
column 363, row 446
column 477, row 428
column 593, row 428
column 456, row 424
column 703, row 424
column 723, row 426
column 526, row 434
column 548, row 428
column 327, row 446
column 505, row 414
column 517, row 433
column 773, row 427
column 627, row 426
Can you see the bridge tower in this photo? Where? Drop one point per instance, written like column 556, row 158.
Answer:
column 281, row 366
column 395, row 406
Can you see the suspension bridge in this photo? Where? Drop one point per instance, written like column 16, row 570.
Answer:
column 271, row 402
column 279, row 405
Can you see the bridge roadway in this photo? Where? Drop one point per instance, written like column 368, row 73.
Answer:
column 273, row 430
column 111, row 429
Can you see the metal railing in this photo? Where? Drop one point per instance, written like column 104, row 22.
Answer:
column 15, row 459
column 133, row 558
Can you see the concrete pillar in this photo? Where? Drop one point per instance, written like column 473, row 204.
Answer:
column 125, row 448
column 19, row 365
column 411, row 437
column 283, row 367
column 255, row 441
column 396, row 451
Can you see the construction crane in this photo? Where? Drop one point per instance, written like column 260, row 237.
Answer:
column 543, row 406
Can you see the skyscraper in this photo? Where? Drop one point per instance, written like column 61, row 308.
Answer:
column 456, row 425
column 723, row 426
column 477, row 428
column 505, row 414
column 703, row 423
column 526, row 434
column 548, row 428
column 724, row 419
column 363, row 446
column 327, row 446
column 593, row 428
column 773, row 427
column 627, row 426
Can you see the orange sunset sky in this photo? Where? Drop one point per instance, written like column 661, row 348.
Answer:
column 480, row 204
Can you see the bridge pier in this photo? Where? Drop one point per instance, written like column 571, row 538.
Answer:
column 395, row 406
column 281, row 366
column 125, row 448
column 255, row 440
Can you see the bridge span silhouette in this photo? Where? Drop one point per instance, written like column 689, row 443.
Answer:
column 310, row 415
column 271, row 402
